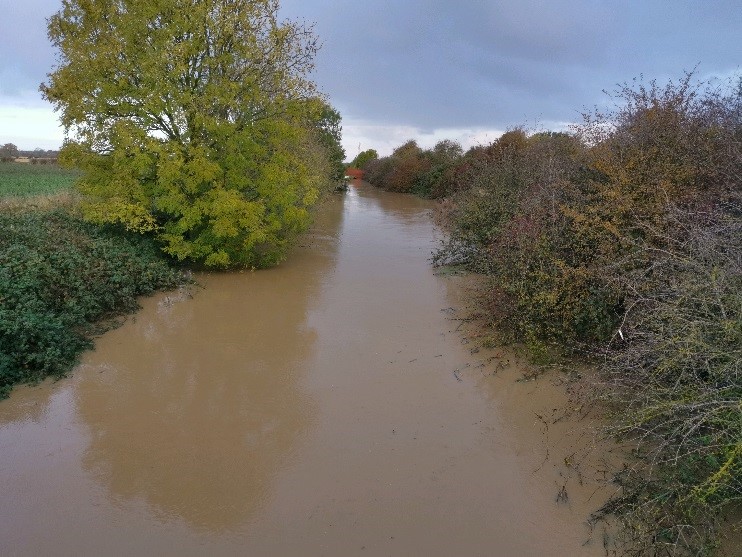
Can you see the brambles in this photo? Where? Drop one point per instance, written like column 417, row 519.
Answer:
column 58, row 277
column 675, row 381
column 674, row 365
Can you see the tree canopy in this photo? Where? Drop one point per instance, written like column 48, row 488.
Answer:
column 193, row 119
column 364, row 157
column 8, row 152
column 329, row 134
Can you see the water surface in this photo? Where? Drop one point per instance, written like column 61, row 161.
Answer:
column 325, row 407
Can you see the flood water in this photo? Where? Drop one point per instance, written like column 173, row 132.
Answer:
column 325, row 407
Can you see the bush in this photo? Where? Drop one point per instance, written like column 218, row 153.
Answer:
column 675, row 380
column 58, row 278
column 623, row 240
column 509, row 223
column 674, row 367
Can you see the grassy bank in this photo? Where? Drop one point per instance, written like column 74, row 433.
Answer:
column 620, row 242
column 59, row 277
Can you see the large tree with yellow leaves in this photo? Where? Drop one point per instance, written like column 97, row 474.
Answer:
column 193, row 119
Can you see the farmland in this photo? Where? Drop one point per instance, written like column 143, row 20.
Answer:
column 25, row 180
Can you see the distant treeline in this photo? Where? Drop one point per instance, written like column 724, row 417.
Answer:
column 10, row 152
column 39, row 153
column 619, row 240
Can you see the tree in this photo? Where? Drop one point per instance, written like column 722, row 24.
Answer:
column 8, row 152
column 329, row 133
column 447, row 151
column 364, row 157
column 409, row 149
column 191, row 119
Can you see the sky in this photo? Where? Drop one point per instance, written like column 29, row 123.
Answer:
column 429, row 70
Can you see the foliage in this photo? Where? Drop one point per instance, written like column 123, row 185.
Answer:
column 676, row 371
column 329, row 134
column 23, row 180
column 8, row 152
column 193, row 120
column 58, row 277
column 676, row 380
column 364, row 158
column 509, row 223
column 411, row 169
column 622, row 239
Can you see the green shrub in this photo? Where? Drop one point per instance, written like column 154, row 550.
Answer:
column 58, row 278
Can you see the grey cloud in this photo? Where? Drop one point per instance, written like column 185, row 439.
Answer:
column 437, row 63
column 432, row 64
column 25, row 53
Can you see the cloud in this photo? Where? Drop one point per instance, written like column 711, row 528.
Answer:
column 29, row 126
column 434, row 63
column 422, row 66
column 26, row 55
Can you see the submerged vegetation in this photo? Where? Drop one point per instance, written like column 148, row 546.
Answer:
column 620, row 242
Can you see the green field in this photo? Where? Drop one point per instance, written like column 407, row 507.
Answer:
column 25, row 180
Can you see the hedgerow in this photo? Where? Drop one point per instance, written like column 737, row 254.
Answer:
column 620, row 242
column 410, row 169
column 672, row 203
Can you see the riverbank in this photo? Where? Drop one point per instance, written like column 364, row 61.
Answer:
column 64, row 281
column 618, row 243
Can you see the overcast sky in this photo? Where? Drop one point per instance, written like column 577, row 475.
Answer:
column 435, row 69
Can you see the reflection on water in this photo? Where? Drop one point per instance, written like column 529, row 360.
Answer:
column 193, row 407
column 310, row 409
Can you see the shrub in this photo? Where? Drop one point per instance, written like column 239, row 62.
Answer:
column 623, row 240
column 674, row 374
column 674, row 368
column 58, row 278
column 509, row 222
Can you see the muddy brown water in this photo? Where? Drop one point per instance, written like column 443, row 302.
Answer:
column 329, row 407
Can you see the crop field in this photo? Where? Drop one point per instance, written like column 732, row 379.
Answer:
column 26, row 180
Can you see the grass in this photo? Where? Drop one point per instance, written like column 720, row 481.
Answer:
column 28, row 180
